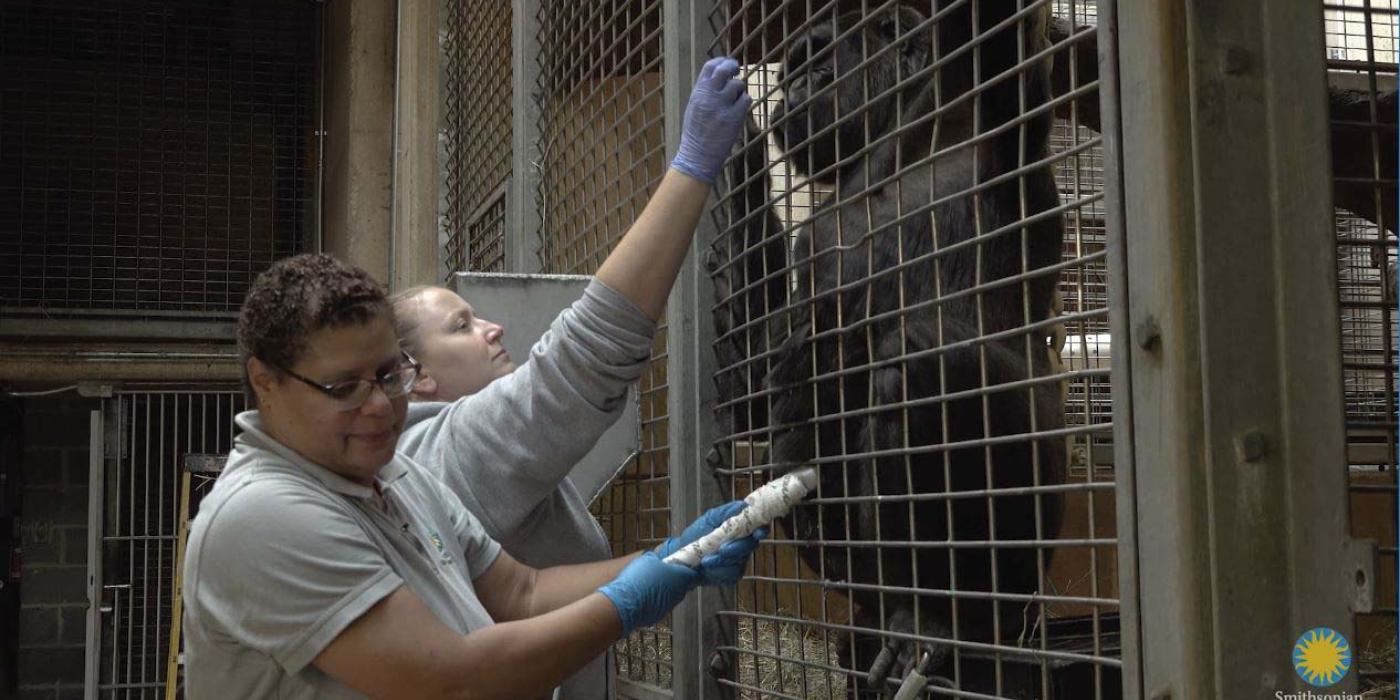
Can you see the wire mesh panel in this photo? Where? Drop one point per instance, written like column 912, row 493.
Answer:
column 602, row 153
column 154, row 432
column 482, row 248
column 477, row 116
column 158, row 153
column 1361, row 59
column 487, row 234
column 911, row 297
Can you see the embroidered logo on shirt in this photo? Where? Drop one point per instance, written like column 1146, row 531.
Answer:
column 444, row 556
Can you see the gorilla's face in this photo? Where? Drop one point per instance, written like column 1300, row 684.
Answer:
column 836, row 74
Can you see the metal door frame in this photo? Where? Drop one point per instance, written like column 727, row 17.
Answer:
column 97, row 456
column 1231, row 412
column 175, row 432
column 697, row 628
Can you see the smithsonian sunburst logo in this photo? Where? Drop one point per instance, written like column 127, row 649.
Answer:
column 1322, row 657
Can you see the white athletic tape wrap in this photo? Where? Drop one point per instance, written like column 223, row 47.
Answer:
column 770, row 501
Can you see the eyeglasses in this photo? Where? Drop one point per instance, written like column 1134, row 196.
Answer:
column 353, row 393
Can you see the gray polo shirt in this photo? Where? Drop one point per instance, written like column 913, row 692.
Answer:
column 285, row 554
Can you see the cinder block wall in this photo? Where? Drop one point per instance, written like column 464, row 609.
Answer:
column 53, row 542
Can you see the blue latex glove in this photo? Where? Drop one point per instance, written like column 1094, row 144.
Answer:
column 726, row 567
column 713, row 119
column 702, row 526
column 647, row 589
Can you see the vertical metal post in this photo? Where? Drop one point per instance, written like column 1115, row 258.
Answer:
column 96, row 475
column 1236, row 427
column 1125, row 481
column 691, row 397
column 522, row 211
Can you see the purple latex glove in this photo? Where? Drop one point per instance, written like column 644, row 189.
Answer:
column 713, row 119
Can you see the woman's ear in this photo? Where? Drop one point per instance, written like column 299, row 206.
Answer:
column 263, row 379
column 426, row 389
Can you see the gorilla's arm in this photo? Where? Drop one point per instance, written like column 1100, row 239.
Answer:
column 1064, row 77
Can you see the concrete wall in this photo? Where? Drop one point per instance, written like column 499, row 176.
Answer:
column 53, row 540
column 389, row 231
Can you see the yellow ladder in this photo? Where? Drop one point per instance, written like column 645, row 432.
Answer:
column 205, row 466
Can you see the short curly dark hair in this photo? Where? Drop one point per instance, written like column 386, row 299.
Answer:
column 298, row 296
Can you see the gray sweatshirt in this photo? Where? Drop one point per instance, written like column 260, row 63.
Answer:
column 506, row 451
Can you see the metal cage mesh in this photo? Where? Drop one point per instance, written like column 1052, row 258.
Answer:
column 602, row 153
column 866, row 247
column 154, row 430
column 487, row 233
column 1361, row 60
column 477, row 131
column 158, row 155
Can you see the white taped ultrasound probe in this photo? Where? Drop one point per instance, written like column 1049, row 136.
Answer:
column 772, row 500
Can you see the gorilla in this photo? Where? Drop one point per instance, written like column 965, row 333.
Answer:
column 923, row 289
column 910, row 357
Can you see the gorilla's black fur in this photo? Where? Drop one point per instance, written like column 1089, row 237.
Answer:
column 880, row 359
column 749, row 268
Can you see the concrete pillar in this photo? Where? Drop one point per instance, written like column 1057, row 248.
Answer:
column 416, row 173
column 359, row 109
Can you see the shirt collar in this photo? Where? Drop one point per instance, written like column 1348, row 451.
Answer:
column 254, row 436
